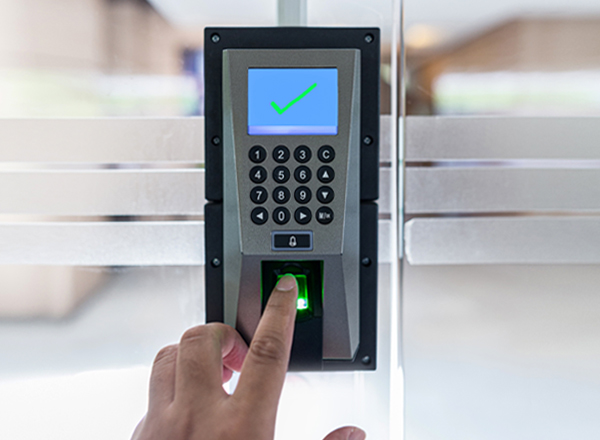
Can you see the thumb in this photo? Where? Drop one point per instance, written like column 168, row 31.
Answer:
column 347, row 433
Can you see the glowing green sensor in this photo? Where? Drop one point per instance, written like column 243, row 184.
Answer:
column 303, row 303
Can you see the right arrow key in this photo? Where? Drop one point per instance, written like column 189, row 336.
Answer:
column 303, row 215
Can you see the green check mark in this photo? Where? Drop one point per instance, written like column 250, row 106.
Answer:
column 293, row 101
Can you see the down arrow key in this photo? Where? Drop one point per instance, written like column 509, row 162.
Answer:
column 325, row 194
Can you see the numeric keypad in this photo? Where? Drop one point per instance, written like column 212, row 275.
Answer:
column 300, row 187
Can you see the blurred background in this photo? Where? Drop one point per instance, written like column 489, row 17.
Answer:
column 504, row 351
column 144, row 58
column 97, row 58
column 494, row 349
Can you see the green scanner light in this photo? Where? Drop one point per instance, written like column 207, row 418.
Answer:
column 303, row 303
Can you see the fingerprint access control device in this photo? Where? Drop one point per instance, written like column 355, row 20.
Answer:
column 292, row 161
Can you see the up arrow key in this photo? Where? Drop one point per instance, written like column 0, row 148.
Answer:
column 326, row 174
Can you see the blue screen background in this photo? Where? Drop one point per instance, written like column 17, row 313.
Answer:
column 315, row 114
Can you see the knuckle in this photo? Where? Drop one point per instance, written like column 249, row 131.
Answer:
column 269, row 349
column 214, row 330
column 166, row 354
column 217, row 328
column 194, row 333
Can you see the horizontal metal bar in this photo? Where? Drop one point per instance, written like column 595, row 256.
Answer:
column 102, row 192
column 520, row 240
column 117, row 192
column 386, row 235
column 494, row 189
column 103, row 244
column 118, row 140
column 118, row 243
column 431, row 138
column 102, row 140
column 386, row 140
column 386, row 183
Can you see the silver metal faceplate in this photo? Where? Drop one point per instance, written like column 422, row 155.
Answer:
column 336, row 244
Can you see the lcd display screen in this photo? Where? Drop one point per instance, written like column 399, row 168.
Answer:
column 293, row 101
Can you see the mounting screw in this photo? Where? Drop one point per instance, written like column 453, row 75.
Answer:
column 215, row 262
column 216, row 140
column 366, row 261
column 215, row 38
column 368, row 140
column 369, row 38
column 366, row 360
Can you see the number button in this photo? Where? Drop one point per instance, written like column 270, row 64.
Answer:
column 325, row 194
column 325, row 174
column 281, row 195
column 258, row 174
column 259, row 216
column 257, row 154
column 281, row 174
column 281, row 216
column 302, row 194
column 324, row 215
column 281, row 154
column 326, row 153
column 303, row 215
column 302, row 154
column 258, row 195
column 302, row 174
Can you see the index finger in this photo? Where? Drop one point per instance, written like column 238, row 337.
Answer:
column 264, row 369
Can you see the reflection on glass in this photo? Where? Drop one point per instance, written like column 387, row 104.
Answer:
column 519, row 66
column 96, row 58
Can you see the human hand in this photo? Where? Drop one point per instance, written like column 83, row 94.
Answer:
column 187, row 400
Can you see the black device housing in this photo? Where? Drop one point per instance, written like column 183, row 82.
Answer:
column 367, row 40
